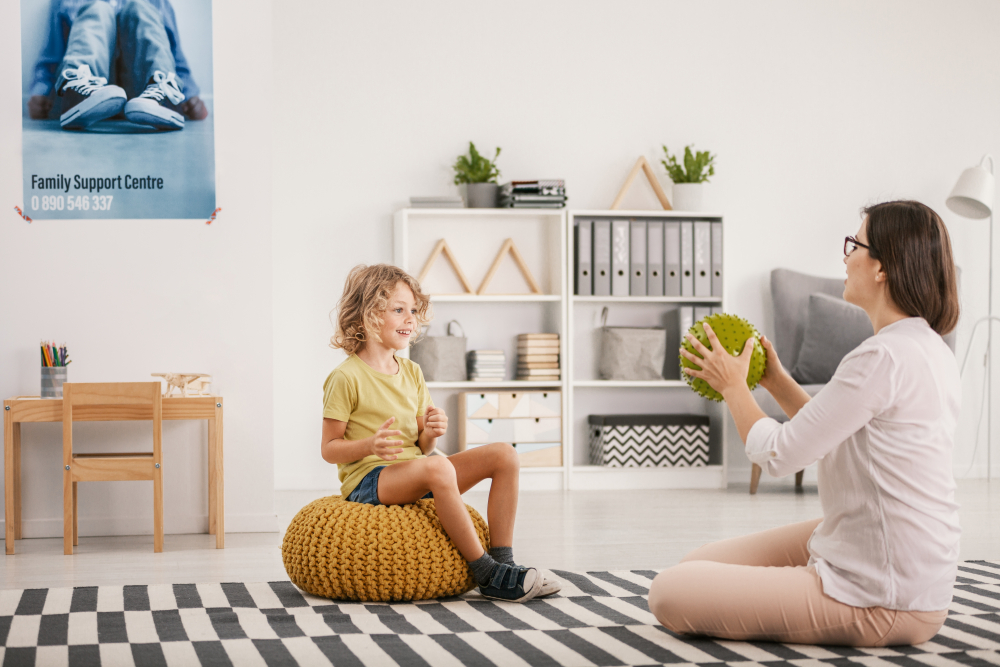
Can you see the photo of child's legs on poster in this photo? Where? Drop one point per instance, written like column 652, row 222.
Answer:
column 381, row 429
column 118, row 118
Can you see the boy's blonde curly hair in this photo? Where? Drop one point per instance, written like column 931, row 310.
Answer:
column 366, row 297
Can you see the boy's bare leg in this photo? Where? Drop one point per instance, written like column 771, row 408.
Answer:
column 500, row 463
column 407, row 482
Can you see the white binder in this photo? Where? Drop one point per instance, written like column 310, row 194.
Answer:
column 583, row 254
column 637, row 258
column 703, row 258
column 654, row 258
column 687, row 258
column 602, row 258
column 619, row 257
column 687, row 320
column 671, row 259
column 717, row 259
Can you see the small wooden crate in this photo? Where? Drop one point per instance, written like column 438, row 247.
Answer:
column 531, row 421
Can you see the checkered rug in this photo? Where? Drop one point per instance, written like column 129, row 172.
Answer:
column 599, row 618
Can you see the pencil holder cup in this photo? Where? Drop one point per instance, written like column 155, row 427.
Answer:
column 52, row 381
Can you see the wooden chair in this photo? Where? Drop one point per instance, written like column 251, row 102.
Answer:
column 111, row 401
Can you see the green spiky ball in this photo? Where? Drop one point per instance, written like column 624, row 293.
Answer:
column 733, row 333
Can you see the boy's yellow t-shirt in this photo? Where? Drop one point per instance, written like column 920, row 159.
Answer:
column 364, row 398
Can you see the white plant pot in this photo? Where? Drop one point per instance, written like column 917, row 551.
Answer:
column 688, row 196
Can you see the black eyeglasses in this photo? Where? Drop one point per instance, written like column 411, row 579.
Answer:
column 851, row 244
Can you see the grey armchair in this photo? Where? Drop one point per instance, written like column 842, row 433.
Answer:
column 791, row 293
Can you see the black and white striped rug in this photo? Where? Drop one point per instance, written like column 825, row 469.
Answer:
column 599, row 618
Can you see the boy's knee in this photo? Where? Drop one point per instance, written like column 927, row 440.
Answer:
column 506, row 455
column 440, row 471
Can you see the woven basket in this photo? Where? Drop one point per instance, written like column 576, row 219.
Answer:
column 376, row 553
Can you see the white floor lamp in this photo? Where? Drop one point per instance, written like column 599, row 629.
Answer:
column 972, row 197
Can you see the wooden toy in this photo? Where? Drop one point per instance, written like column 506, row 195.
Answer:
column 184, row 382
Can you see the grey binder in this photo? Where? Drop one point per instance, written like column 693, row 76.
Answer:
column 671, row 259
column 583, row 254
column 701, row 312
column 654, row 258
column 637, row 258
column 602, row 258
column 687, row 258
column 619, row 257
column 703, row 258
column 716, row 259
column 687, row 320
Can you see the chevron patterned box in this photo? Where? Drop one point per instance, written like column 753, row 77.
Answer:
column 648, row 441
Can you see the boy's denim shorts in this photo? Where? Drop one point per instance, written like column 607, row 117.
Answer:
column 367, row 490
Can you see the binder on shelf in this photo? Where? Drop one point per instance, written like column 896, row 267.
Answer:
column 637, row 258
column 654, row 258
column 686, row 319
column 703, row 258
column 701, row 312
column 716, row 310
column 671, row 259
column 687, row 258
column 602, row 257
column 584, row 274
column 716, row 258
column 619, row 258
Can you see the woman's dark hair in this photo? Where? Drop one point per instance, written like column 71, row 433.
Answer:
column 912, row 243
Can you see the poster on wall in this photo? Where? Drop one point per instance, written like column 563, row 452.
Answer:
column 118, row 109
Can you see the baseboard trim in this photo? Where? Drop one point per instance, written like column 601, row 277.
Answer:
column 113, row 526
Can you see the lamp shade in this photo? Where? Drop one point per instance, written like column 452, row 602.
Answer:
column 972, row 196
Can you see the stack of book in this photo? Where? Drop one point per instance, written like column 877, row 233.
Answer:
column 437, row 202
column 486, row 364
column 538, row 357
column 533, row 194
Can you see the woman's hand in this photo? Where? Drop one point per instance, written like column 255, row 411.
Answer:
column 382, row 447
column 721, row 370
column 435, row 422
column 774, row 372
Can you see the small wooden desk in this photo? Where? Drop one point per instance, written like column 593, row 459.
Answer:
column 23, row 409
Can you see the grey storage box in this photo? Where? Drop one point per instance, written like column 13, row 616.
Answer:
column 441, row 358
column 631, row 353
column 648, row 441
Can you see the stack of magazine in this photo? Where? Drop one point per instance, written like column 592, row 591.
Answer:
column 533, row 194
column 486, row 364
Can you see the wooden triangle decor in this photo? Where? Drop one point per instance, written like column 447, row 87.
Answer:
column 643, row 164
column 442, row 247
column 509, row 247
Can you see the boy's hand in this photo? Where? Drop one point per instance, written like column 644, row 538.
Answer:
column 383, row 448
column 435, row 422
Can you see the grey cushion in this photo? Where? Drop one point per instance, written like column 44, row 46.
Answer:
column 790, row 292
column 834, row 328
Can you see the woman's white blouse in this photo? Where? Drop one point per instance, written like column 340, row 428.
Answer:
column 882, row 430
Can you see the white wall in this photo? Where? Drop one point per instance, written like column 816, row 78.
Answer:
column 131, row 297
column 814, row 110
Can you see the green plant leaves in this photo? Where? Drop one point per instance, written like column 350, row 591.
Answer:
column 697, row 167
column 475, row 168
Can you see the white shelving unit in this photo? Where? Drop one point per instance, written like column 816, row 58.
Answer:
column 492, row 320
column 589, row 395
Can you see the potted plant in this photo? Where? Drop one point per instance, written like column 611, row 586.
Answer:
column 689, row 178
column 476, row 178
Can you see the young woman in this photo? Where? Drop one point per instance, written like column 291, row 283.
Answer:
column 878, row 568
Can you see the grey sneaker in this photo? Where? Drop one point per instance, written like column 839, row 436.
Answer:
column 513, row 583
column 87, row 99
column 549, row 587
column 157, row 105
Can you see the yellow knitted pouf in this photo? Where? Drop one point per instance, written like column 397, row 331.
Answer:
column 376, row 553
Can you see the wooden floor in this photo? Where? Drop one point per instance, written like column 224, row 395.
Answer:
column 573, row 531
